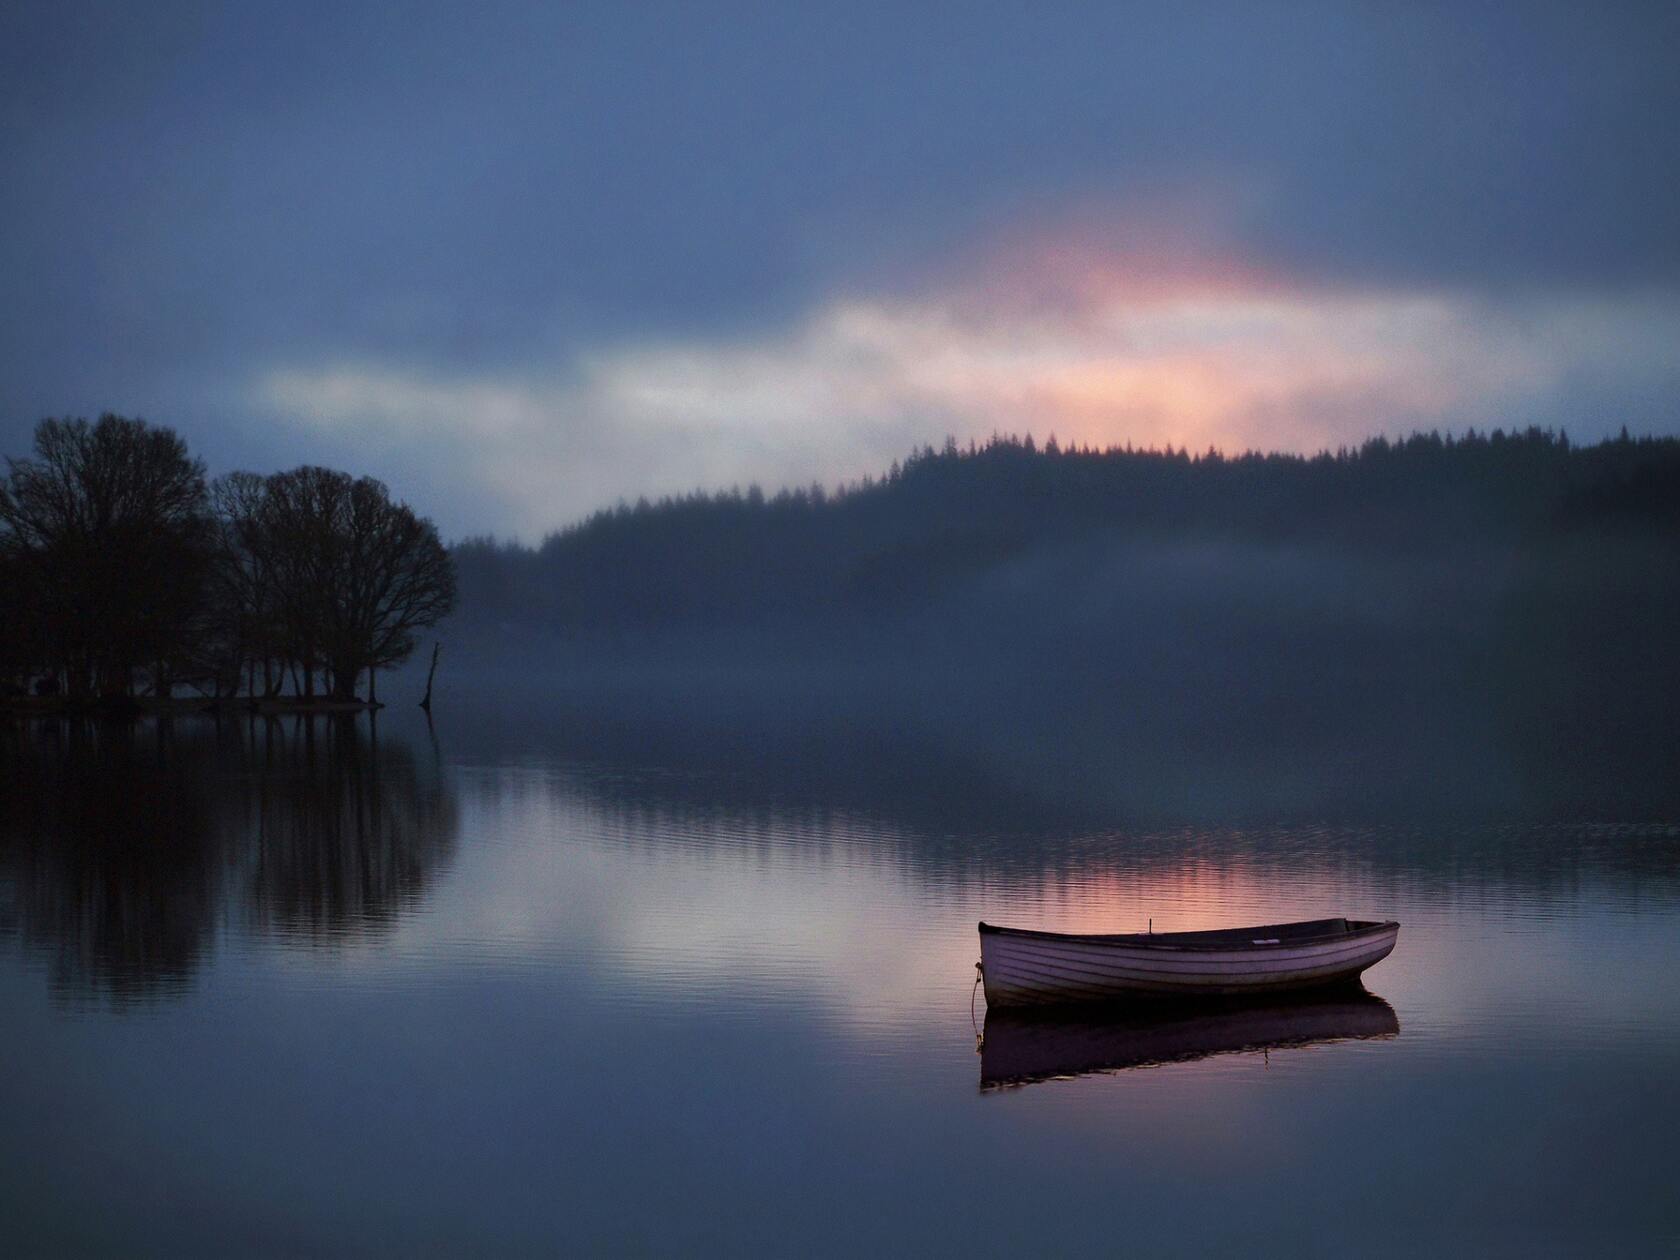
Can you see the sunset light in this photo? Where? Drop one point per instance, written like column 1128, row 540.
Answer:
column 839, row 629
column 1082, row 345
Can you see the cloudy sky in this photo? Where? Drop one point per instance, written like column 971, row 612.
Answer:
column 523, row 260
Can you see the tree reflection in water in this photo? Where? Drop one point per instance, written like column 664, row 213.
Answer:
column 345, row 833
column 125, row 848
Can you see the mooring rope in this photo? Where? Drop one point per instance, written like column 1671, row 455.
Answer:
column 974, row 1022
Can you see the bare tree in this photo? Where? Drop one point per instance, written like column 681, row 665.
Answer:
column 246, row 585
column 332, row 573
column 397, row 579
column 113, row 519
column 305, row 520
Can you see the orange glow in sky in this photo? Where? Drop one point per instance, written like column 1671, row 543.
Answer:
column 1158, row 340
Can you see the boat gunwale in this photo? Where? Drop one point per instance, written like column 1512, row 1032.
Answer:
column 1177, row 942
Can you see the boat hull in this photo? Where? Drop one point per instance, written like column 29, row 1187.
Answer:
column 1025, row 968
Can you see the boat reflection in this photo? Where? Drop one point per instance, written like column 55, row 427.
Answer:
column 1020, row 1048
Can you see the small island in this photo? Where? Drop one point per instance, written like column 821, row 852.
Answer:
column 131, row 583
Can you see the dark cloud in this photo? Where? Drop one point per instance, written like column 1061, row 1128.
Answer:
column 194, row 194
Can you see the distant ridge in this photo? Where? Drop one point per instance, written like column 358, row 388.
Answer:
column 948, row 517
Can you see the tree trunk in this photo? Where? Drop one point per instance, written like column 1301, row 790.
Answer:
column 426, row 701
column 344, row 675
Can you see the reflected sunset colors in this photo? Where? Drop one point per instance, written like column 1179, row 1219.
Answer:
column 527, row 966
column 656, row 877
column 851, row 473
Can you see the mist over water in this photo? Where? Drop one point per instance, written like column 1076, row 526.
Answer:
column 684, row 965
column 1487, row 626
column 1122, row 469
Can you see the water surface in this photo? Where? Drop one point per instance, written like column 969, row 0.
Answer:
column 284, row 987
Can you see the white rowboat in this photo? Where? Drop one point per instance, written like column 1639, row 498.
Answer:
column 1026, row 968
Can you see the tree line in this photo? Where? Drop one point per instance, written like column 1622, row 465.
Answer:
column 945, row 518
column 125, row 571
column 1479, row 620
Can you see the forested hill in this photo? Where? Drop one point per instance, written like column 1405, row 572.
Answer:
column 1011, row 521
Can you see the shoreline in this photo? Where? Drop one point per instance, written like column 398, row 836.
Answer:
column 173, row 706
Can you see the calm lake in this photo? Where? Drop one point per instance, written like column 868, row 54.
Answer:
column 498, row 988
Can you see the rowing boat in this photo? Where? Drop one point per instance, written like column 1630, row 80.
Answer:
column 1021, row 967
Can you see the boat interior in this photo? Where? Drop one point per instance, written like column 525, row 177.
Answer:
column 1265, row 934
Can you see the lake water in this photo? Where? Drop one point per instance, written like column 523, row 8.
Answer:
column 307, row 990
